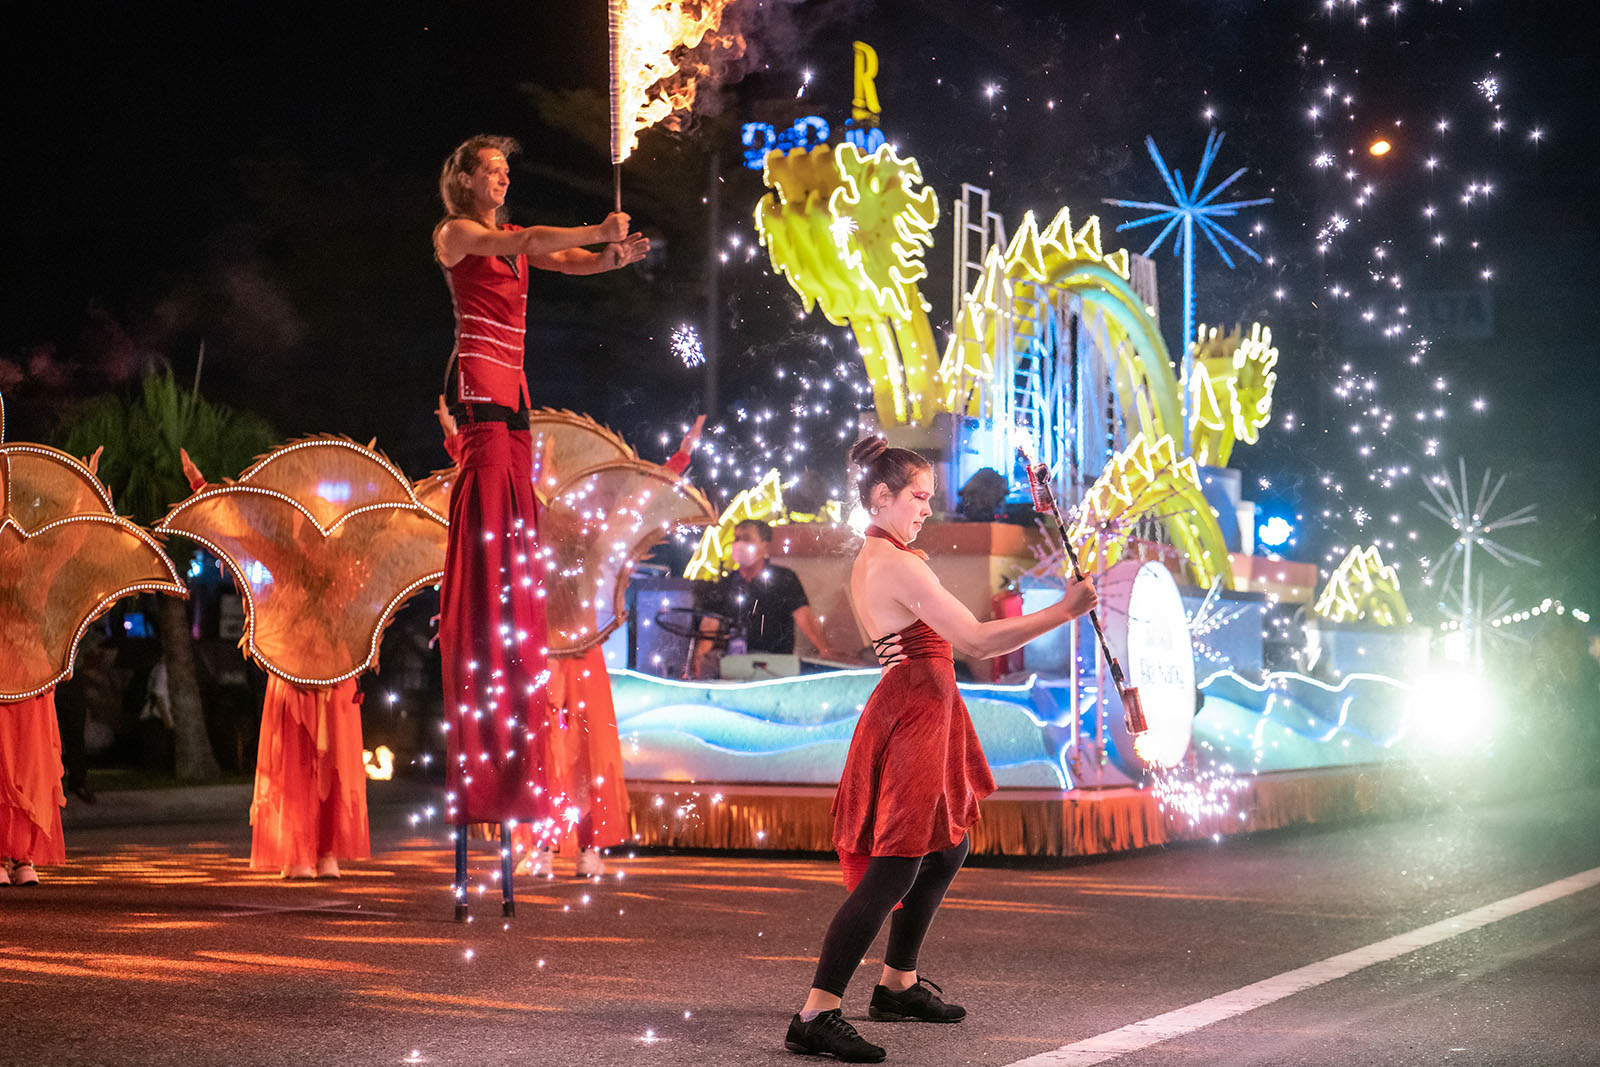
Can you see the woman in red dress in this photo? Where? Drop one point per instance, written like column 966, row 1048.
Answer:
column 915, row 772
column 492, row 621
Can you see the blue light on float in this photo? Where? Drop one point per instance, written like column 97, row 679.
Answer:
column 1275, row 532
column 759, row 138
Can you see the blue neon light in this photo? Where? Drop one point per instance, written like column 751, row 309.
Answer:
column 759, row 138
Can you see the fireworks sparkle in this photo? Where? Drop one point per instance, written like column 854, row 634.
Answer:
column 686, row 346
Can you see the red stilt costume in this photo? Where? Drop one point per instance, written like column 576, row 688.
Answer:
column 915, row 772
column 311, row 785
column 492, row 631
column 30, row 781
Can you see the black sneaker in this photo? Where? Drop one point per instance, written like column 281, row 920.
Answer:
column 920, row 1002
column 828, row 1034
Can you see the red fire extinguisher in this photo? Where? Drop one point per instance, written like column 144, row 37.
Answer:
column 1007, row 604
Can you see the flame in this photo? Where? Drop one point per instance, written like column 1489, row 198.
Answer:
column 654, row 73
column 379, row 763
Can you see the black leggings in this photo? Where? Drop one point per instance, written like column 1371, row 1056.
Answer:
column 918, row 883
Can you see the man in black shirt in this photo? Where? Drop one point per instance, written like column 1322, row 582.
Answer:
column 766, row 602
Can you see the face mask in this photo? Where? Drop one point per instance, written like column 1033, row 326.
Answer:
column 746, row 554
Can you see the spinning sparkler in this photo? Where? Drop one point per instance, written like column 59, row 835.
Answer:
column 1470, row 519
column 1189, row 209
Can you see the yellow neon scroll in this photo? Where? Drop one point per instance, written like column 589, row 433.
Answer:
column 1363, row 589
column 1147, row 480
column 1230, row 392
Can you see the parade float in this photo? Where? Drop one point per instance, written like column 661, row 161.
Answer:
column 1055, row 346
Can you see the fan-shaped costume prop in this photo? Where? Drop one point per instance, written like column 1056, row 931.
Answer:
column 324, row 538
column 65, row 558
column 600, row 521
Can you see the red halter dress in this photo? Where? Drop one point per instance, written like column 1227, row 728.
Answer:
column 915, row 771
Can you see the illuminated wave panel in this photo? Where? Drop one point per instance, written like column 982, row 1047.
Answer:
column 1291, row 722
column 797, row 730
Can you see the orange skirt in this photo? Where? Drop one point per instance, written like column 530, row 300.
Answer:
column 311, row 787
column 586, row 756
column 30, row 780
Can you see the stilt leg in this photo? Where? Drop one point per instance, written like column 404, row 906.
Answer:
column 508, row 896
column 461, row 873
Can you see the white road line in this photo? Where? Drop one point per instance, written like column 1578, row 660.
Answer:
column 1152, row 1031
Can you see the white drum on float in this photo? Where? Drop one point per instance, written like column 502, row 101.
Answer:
column 1148, row 631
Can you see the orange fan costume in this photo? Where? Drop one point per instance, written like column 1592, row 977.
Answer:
column 586, row 750
column 310, row 799
column 324, row 538
column 65, row 558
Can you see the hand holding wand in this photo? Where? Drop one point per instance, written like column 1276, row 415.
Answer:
column 1044, row 502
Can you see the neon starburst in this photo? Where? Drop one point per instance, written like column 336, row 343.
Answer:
column 1469, row 517
column 1190, row 210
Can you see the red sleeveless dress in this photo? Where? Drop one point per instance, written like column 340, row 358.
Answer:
column 915, row 771
column 492, row 630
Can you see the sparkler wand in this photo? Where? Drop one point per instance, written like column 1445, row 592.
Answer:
column 1044, row 502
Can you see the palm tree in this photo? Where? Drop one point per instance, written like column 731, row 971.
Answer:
column 142, row 434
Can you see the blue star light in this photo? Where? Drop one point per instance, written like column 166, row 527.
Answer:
column 1189, row 208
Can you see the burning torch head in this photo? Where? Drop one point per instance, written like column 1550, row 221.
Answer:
column 1133, row 711
column 1044, row 501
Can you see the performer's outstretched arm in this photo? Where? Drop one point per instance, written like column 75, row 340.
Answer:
column 630, row 249
column 559, row 248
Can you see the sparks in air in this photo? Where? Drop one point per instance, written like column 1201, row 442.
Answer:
column 686, row 346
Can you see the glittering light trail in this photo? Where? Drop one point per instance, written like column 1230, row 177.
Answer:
column 1401, row 201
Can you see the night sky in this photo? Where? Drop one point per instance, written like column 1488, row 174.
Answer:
column 263, row 178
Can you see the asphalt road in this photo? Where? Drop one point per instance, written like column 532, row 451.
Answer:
column 157, row 945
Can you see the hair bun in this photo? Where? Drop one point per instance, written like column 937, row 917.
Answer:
column 868, row 449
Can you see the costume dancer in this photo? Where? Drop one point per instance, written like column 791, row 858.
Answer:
column 915, row 772
column 309, row 807
column 30, row 789
column 309, row 810
column 73, row 558
column 492, row 625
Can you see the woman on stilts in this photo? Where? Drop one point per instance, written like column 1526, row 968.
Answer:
column 915, row 772
column 492, row 622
